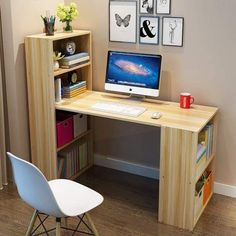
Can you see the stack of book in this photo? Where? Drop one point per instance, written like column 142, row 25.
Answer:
column 73, row 90
column 74, row 60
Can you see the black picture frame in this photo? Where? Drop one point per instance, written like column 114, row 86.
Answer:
column 173, row 31
column 122, row 27
column 163, row 7
column 146, row 7
column 154, row 22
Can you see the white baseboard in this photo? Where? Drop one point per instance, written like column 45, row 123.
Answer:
column 150, row 172
column 224, row 189
column 125, row 166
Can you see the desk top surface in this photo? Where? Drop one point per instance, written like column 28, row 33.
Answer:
column 193, row 119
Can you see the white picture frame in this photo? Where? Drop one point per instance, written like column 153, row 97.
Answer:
column 146, row 7
column 163, row 7
column 149, row 29
column 123, row 21
column 172, row 31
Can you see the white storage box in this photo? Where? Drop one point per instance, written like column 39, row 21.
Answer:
column 80, row 124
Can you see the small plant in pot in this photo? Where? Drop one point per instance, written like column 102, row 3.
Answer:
column 56, row 57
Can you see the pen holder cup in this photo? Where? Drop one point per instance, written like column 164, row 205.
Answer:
column 49, row 28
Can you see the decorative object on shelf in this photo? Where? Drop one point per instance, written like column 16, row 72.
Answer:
column 68, row 47
column 172, row 31
column 56, row 57
column 146, row 6
column 49, row 22
column 67, row 14
column 163, row 7
column 123, row 24
column 72, row 77
column 149, row 30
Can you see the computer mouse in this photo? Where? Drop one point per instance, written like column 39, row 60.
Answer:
column 156, row 115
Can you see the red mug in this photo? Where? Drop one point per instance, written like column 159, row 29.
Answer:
column 186, row 100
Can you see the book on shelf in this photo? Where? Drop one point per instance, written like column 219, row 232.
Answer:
column 205, row 138
column 76, row 85
column 73, row 60
column 201, row 151
column 75, row 158
column 74, row 94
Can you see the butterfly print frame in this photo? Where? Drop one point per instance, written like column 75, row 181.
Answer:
column 123, row 21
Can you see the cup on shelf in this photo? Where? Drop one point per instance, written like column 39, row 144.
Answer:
column 186, row 100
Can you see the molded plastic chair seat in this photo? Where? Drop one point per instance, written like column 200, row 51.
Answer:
column 58, row 198
column 73, row 198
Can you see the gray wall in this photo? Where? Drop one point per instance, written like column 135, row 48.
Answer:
column 205, row 67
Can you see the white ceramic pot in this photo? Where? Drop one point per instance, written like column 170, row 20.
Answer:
column 56, row 65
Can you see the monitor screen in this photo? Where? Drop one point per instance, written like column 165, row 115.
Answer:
column 133, row 73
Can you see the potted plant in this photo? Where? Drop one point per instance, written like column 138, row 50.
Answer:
column 56, row 57
column 67, row 14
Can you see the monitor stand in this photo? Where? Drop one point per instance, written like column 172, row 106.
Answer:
column 136, row 97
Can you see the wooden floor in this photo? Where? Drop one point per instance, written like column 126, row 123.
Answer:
column 129, row 209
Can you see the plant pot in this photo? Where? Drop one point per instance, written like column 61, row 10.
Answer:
column 56, row 65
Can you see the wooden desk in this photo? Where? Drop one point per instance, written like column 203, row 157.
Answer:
column 179, row 139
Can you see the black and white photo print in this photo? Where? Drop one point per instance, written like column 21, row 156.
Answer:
column 146, row 6
column 123, row 21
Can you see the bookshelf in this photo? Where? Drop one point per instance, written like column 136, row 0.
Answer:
column 40, row 82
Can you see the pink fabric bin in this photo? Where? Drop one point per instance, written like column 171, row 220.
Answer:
column 64, row 128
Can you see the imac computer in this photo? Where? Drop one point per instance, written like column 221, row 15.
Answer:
column 133, row 73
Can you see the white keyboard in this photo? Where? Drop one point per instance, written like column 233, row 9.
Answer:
column 117, row 108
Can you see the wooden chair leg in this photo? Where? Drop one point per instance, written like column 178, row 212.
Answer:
column 92, row 224
column 58, row 227
column 31, row 224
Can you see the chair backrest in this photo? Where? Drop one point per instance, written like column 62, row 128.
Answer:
column 33, row 187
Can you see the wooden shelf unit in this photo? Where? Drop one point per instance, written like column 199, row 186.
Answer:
column 40, row 82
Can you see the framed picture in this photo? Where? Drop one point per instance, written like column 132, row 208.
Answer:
column 146, row 6
column 163, row 7
column 149, row 29
column 172, row 31
column 123, row 21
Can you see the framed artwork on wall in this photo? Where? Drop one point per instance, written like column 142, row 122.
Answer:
column 146, row 6
column 149, row 29
column 123, row 21
column 172, row 31
column 163, row 7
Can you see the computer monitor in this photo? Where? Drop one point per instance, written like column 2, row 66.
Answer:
column 133, row 73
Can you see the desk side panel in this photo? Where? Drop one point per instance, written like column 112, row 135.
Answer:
column 40, row 84
column 177, row 172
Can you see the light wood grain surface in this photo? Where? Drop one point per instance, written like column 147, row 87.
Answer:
column 193, row 119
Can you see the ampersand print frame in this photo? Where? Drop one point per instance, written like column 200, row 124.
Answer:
column 172, row 31
column 149, row 29
column 123, row 21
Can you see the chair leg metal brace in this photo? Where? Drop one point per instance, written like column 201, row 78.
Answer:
column 31, row 232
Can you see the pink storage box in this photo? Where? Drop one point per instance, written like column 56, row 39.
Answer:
column 64, row 128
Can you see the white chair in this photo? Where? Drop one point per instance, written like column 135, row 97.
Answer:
column 59, row 198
